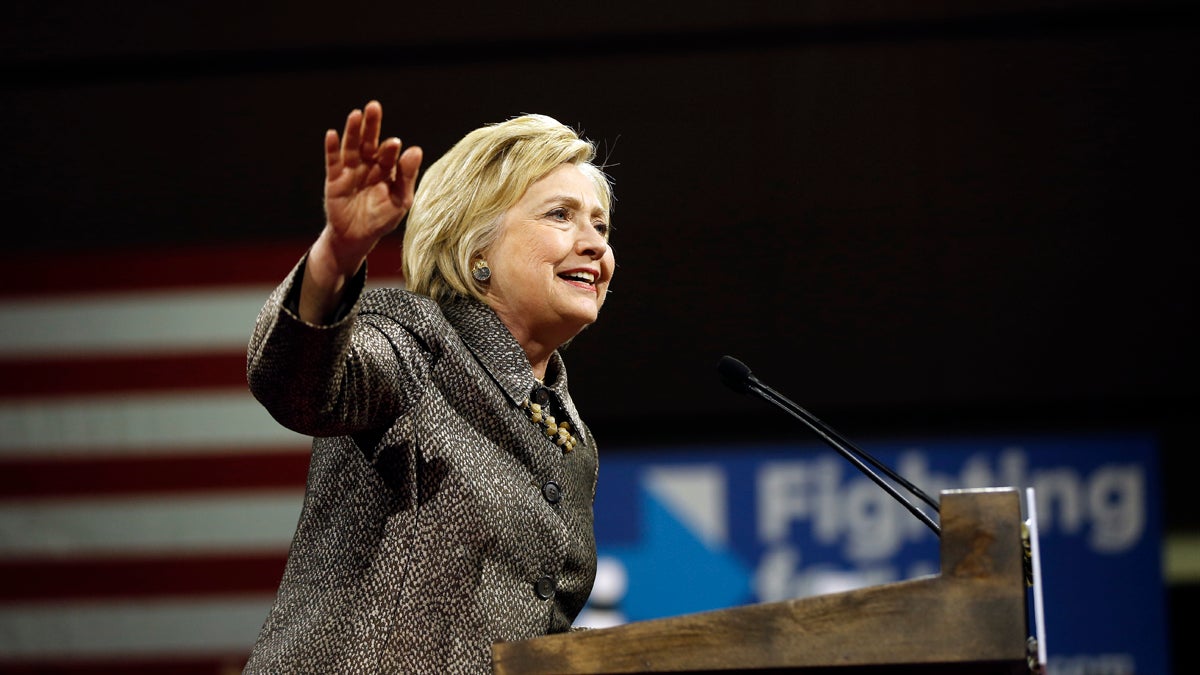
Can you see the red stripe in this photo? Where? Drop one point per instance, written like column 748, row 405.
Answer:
column 231, row 664
column 81, row 477
column 43, row 580
column 102, row 374
column 190, row 266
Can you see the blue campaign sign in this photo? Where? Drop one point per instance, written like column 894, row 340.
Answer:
column 709, row 527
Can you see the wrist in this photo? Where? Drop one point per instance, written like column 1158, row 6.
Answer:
column 335, row 257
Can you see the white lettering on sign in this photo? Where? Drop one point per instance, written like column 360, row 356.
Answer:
column 841, row 508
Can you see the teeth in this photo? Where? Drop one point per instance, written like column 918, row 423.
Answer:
column 586, row 277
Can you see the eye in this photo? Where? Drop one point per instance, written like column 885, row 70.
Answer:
column 603, row 228
column 561, row 213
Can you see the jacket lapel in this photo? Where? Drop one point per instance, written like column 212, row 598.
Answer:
column 495, row 348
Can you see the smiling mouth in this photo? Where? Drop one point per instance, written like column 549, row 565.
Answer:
column 586, row 278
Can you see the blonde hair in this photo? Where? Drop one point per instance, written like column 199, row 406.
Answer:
column 457, row 210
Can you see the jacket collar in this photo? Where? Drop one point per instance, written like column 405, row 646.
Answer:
column 502, row 356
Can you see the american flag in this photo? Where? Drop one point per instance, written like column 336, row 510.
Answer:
column 146, row 499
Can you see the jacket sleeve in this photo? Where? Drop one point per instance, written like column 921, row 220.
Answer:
column 337, row 379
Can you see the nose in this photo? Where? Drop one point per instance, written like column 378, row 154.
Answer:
column 591, row 243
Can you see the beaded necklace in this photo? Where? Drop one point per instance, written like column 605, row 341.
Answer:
column 559, row 432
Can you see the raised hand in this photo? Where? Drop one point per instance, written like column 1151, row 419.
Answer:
column 368, row 191
column 368, row 186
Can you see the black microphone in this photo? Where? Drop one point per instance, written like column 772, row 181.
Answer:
column 737, row 376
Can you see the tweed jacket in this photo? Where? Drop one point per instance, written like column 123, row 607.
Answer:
column 438, row 518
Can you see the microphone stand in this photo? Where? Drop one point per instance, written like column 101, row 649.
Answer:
column 738, row 377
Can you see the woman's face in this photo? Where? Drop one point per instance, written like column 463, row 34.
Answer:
column 551, row 263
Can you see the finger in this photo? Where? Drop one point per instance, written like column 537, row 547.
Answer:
column 388, row 152
column 407, row 168
column 352, row 139
column 384, row 164
column 333, row 154
column 372, row 122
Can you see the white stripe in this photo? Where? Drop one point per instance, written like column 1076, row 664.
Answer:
column 245, row 522
column 135, row 322
column 124, row 323
column 131, row 425
column 146, row 628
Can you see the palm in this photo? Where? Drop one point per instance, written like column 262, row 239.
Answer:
column 359, row 206
column 368, row 186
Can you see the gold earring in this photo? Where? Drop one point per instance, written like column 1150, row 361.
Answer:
column 481, row 271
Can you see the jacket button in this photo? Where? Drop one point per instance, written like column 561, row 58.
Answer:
column 541, row 396
column 544, row 588
column 552, row 492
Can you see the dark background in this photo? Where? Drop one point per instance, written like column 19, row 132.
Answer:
column 913, row 218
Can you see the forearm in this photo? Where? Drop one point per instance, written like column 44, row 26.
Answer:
column 329, row 268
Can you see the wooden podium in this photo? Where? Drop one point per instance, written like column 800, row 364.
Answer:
column 970, row 618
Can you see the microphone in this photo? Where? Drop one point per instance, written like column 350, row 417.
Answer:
column 737, row 376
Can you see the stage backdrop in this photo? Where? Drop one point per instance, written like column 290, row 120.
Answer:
column 147, row 501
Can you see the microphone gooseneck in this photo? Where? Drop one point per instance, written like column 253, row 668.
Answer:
column 738, row 377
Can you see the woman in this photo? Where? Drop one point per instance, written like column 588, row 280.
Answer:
column 449, row 497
